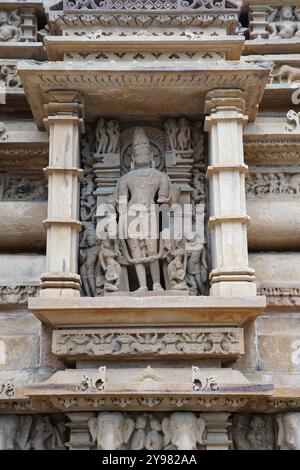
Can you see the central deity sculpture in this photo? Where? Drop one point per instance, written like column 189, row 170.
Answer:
column 141, row 188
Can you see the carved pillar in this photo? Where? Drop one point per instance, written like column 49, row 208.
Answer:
column 217, row 425
column 28, row 25
column 228, row 221
column 258, row 22
column 80, row 438
column 64, row 123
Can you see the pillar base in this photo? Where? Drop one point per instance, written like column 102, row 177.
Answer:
column 233, row 288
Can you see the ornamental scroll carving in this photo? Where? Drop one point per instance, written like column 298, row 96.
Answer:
column 150, row 5
column 9, row 76
column 219, row 343
column 17, row 294
column 151, row 167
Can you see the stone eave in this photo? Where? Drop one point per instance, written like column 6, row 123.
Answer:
column 57, row 46
column 153, row 92
column 89, row 312
column 272, row 46
column 22, row 50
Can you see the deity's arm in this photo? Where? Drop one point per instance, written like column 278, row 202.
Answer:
column 164, row 192
column 122, row 188
column 102, row 260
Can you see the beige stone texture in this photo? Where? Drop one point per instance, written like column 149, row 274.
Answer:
column 21, row 218
column 20, row 269
column 21, row 352
column 280, row 267
column 274, row 225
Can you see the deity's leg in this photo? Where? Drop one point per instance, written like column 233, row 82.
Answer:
column 154, row 266
column 140, row 268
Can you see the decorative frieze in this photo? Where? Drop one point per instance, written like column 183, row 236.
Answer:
column 22, row 187
column 263, row 182
column 280, row 296
column 17, row 295
column 151, row 342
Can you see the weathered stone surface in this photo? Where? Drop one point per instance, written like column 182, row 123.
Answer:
column 20, row 352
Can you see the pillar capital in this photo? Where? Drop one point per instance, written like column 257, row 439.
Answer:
column 63, row 106
column 225, row 105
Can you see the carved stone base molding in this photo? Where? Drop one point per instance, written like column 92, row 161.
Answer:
column 281, row 296
column 179, row 343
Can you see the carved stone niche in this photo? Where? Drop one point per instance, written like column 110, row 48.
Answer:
column 253, row 431
column 145, row 170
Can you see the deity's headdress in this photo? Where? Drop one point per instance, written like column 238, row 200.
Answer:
column 140, row 138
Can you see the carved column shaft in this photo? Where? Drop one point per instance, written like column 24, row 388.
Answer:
column 228, row 221
column 64, row 124
column 217, row 425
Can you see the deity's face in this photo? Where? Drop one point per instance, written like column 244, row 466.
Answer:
column 142, row 156
column 286, row 12
column 91, row 240
column 3, row 17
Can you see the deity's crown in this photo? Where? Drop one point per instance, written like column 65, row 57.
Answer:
column 140, row 138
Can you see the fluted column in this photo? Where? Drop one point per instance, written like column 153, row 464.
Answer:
column 64, row 123
column 230, row 275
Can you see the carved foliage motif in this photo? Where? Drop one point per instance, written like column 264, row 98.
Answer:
column 7, row 389
column 142, row 343
column 281, row 296
column 149, row 5
column 253, row 432
column 37, row 432
column 17, row 294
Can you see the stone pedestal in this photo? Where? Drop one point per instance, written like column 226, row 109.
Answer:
column 228, row 221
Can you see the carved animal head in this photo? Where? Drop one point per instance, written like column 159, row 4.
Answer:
column 183, row 430
column 110, row 430
column 288, row 431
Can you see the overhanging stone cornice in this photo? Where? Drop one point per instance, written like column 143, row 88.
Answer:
column 57, row 46
column 141, row 92
column 153, row 310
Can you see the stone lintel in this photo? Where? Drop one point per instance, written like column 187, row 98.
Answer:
column 57, row 46
column 141, row 389
column 141, row 343
column 113, row 90
column 157, row 311
column 272, row 46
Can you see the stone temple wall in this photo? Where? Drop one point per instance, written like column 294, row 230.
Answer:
column 188, row 342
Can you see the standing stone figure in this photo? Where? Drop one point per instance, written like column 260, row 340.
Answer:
column 110, row 266
column 139, row 188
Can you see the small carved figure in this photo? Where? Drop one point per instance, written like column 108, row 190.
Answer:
column 197, row 141
column 110, row 266
column 184, row 135
column 196, row 265
column 113, row 132
column 177, row 269
column 43, row 432
column 101, row 137
column 139, row 435
column 171, row 134
column 9, row 26
column 253, row 432
column 154, row 439
column 284, row 28
column 3, row 134
column 294, row 183
column 89, row 258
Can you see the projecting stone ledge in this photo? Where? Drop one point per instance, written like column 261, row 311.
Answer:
column 157, row 311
